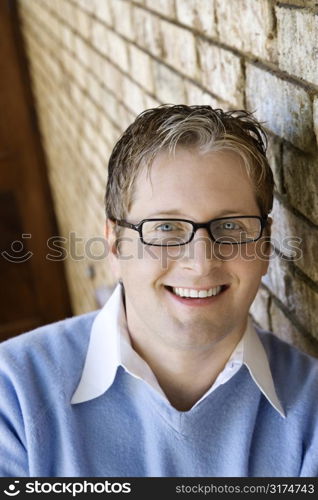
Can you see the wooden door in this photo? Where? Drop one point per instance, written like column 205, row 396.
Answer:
column 33, row 289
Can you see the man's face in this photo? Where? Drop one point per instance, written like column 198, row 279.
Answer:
column 197, row 187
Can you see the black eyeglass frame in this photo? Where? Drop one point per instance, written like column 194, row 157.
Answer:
column 195, row 226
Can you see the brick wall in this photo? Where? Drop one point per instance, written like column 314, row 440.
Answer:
column 95, row 64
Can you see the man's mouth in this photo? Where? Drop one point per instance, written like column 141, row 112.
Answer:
column 192, row 293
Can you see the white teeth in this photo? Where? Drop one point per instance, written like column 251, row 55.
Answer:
column 202, row 294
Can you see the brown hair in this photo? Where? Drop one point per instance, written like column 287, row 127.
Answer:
column 168, row 126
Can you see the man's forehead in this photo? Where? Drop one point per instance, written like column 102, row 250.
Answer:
column 166, row 165
column 173, row 183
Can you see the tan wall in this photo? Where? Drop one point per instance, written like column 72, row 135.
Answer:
column 95, row 64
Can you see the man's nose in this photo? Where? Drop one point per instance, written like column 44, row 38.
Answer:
column 201, row 254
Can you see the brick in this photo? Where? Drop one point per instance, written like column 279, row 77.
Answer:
column 117, row 50
column 102, row 144
column 274, row 156
column 103, row 12
column 89, row 131
column 70, row 15
column 91, row 112
column 122, row 18
column 87, row 5
column 98, row 64
column 125, row 118
column 179, row 48
column 298, row 297
column 108, row 131
column 278, row 280
column 50, row 6
column 67, row 13
column 301, row 3
column 249, row 27
column 301, row 181
column 67, row 38
column 221, row 73
column 54, row 68
column 55, row 27
column 140, row 68
column 316, row 117
column 133, row 96
column 285, row 108
column 284, row 329
column 111, row 78
column 197, row 96
column 81, row 50
column 300, row 26
column 79, row 73
column 259, row 308
column 197, row 14
column 147, row 31
column 92, row 62
column 100, row 38
column 94, row 88
column 40, row 20
column 169, row 86
column 150, row 102
column 108, row 104
column 76, row 94
column 164, row 7
column 84, row 24
column 287, row 229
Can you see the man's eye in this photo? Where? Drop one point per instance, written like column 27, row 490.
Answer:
column 166, row 227
column 230, row 226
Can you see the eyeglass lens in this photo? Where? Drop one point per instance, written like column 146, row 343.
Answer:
column 172, row 232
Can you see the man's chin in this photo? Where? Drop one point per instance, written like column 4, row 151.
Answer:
column 197, row 333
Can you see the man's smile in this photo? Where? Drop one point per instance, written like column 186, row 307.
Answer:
column 197, row 296
column 194, row 293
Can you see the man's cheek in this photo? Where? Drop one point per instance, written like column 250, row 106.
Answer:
column 248, row 252
column 127, row 248
column 148, row 253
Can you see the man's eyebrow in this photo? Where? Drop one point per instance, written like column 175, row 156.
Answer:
column 173, row 212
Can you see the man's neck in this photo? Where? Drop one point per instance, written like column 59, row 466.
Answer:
column 185, row 375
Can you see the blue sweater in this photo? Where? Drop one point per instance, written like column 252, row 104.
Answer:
column 131, row 430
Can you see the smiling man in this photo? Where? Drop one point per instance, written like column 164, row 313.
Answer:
column 193, row 311
column 171, row 377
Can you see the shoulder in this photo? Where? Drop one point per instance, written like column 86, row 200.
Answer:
column 53, row 352
column 295, row 373
column 54, row 336
column 282, row 353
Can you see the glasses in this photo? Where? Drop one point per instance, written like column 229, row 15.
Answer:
column 177, row 232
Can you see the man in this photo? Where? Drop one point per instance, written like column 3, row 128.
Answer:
column 170, row 378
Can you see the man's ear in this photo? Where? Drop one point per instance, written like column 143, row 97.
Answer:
column 111, row 239
column 110, row 235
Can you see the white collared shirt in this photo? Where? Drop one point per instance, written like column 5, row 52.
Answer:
column 110, row 347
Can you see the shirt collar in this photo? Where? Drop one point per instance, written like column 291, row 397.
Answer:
column 256, row 360
column 106, row 352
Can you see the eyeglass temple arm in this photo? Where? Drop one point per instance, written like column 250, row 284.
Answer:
column 264, row 220
column 124, row 223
